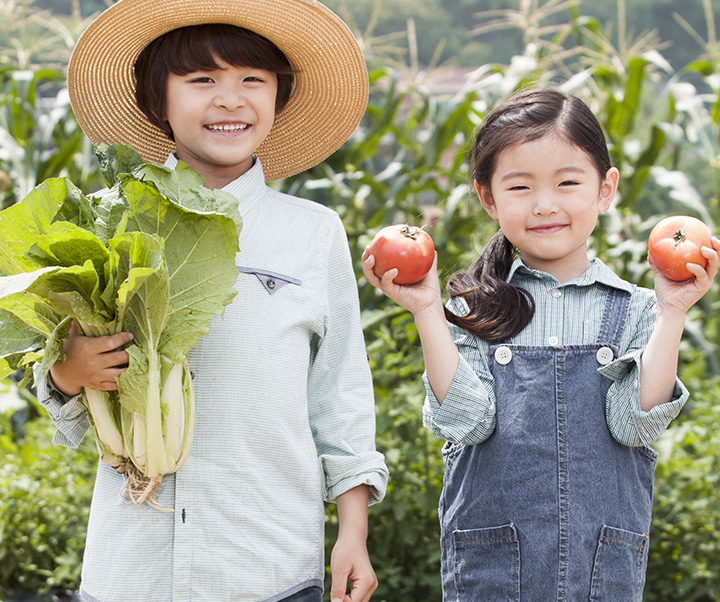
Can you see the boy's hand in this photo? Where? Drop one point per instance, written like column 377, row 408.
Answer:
column 93, row 362
column 349, row 561
column 676, row 296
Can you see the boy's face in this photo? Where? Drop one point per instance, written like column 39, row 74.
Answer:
column 219, row 118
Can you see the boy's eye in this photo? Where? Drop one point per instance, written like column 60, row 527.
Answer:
column 569, row 183
column 203, row 79
column 519, row 187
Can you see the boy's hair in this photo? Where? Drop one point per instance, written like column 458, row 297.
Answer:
column 199, row 47
column 498, row 310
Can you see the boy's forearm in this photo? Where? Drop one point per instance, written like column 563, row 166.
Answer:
column 352, row 507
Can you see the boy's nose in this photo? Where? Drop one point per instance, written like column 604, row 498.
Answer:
column 230, row 98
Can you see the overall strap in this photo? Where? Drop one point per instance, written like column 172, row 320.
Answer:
column 614, row 315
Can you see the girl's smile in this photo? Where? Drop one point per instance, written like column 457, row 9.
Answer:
column 219, row 118
column 547, row 194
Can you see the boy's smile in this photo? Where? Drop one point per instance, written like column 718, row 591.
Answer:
column 219, row 118
column 546, row 195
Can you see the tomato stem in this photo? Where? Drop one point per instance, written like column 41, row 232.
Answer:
column 410, row 232
column 679, row 237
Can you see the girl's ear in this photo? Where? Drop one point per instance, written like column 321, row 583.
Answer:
column 486, row 200
column 608, row 188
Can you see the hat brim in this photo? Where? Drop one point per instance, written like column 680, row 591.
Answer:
column 329, row 99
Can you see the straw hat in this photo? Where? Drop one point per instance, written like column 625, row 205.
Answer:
column 327, row 104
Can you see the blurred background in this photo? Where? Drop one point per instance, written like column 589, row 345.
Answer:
column 650, row 69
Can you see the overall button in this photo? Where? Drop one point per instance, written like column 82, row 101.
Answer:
column 503, row 355
column 604, row 355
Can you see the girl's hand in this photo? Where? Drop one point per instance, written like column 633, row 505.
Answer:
column 93, row 362
column 681, row 296
column 413, row 297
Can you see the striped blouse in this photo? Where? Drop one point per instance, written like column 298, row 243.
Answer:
column 565, row 314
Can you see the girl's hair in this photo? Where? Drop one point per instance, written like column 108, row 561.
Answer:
column 498, row 310
column 199, row 47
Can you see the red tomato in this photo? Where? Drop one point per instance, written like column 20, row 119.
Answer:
column 675, row 241
column 407, row 248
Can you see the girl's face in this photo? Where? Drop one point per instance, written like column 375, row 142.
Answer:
column 547, row 194
column 219, row 118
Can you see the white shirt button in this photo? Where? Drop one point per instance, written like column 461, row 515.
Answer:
column 553, row 341
column 556, row 293
column 604, row 355
column 503, row 355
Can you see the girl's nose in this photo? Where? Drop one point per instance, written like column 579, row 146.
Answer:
column 544, row 204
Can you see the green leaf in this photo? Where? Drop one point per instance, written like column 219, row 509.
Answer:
column 116, row 159
column 184, row 186
column 200, row 255
column 22, row 224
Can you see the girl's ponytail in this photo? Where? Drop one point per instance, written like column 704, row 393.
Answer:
column 497, row 310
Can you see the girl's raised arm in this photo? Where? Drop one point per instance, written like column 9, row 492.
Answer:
column 659, row 363
column 424, row 301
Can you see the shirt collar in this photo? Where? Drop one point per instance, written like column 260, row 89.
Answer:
column 248, row 189
column 598, row 273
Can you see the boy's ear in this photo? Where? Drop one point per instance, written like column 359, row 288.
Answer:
column 608, row 189
column 486, row 200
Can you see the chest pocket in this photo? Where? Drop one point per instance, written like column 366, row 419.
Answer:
column 271, row 281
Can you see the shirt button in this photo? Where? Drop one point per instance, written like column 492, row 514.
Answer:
column 556, row 293
column 553, row 341
column 604, row 355
column 503, row 355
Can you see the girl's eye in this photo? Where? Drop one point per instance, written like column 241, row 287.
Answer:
column 569, row 183
column 203, row 79
column 253, row 78
column 519, row 187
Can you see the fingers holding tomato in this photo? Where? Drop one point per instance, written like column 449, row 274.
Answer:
column 677, row 241
column 407, row 249
column 389, row 272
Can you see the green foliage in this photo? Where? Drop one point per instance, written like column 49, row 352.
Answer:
column 685, row 539
column 44, row 505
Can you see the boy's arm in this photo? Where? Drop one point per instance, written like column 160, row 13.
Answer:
column 349, row 560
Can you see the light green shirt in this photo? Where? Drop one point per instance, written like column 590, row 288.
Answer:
column 565, row 314
column 284, row 420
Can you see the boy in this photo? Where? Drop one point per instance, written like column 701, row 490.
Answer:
column 284, row 406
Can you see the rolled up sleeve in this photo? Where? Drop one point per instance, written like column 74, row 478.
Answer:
column 628, row 423
column 468, row 413
column 68, row 414
column 341, row 398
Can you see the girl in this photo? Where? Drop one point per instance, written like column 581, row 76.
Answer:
column 243, row 91
column 555, row 374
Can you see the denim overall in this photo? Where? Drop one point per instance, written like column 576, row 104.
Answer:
column 550, row 507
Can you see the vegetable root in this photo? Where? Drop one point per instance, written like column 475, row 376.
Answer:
column 139, row 488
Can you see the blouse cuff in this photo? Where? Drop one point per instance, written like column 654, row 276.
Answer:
column 641, row 427
column 343, row 473
column 466, row 415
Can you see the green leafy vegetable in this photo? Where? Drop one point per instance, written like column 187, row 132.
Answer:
column 153, row 255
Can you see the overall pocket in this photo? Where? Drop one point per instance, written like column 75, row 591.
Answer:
column 487, row 564
column 620, row 564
